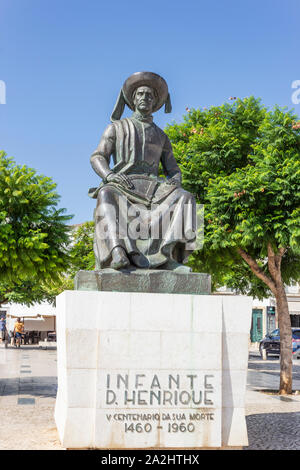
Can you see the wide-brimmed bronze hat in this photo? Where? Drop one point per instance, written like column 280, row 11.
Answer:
column 133, row 82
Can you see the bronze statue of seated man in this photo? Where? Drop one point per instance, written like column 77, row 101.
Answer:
column 132, row 198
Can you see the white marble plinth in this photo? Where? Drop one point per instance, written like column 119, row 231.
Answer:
column 143, row 370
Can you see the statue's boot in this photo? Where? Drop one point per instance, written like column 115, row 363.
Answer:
column 140, row 261
column 172, row 265
column 119, row 258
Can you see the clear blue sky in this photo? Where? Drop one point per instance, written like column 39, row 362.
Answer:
column 64, row 61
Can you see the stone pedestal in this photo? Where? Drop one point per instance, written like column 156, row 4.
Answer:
column 151, row 370
column 158, row 281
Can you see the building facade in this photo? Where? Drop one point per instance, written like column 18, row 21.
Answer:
column 265, row 315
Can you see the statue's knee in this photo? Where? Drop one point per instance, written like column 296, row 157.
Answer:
column 104, row 195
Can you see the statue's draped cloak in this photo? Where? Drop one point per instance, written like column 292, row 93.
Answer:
column 116, row 210
column 124, row 156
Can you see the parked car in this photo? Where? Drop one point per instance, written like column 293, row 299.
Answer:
column 270, row 344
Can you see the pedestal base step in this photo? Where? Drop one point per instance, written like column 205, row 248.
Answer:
column 157, row 281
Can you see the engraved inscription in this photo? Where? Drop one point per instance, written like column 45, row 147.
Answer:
column 123, row 390
column 192, row 394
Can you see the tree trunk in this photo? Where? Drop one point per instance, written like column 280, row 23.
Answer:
column 284, row 323
column 275, row 284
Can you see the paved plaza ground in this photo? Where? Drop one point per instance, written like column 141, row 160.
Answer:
column 28, row 386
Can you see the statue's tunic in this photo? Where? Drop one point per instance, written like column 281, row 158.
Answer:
column 165, row 226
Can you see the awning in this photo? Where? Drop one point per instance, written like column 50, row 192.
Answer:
column 37, row 310
column 294, row 308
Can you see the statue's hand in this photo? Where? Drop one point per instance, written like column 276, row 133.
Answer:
column 173, row 182
column 120, row 179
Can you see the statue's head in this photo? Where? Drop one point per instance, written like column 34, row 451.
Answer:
column 145, row 92
column 144, row 99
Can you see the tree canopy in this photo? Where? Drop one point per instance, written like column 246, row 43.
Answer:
column 34, row 235
column 242, row 161
column 81, row 251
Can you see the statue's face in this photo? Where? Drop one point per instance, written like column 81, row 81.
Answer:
column 144, row 99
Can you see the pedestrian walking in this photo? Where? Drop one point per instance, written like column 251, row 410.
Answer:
column 2, row 328
column 12, row 337
column 18, row 331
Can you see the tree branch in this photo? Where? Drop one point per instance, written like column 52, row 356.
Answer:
column 278, row 258
column 271, row 261
column 274, row 263
column 257, row 270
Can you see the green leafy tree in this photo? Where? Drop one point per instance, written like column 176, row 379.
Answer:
column 33, row 235
column 32, row 291
column 81, row 252
column 243, row 162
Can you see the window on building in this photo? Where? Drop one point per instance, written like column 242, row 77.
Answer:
column 295, row 321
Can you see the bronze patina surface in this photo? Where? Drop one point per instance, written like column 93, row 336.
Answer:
column 138, row 148
column 144, row 280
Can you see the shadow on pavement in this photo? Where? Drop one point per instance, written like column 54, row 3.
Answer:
column 268, row 372
column 273, row 431
column 34, row 386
